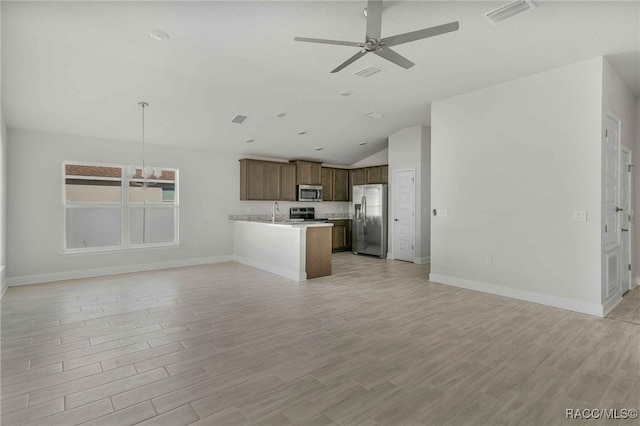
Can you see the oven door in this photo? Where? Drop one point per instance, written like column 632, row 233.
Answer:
column 309, row 193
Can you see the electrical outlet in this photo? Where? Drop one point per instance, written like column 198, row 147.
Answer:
column 195, row 243
column 490, row 262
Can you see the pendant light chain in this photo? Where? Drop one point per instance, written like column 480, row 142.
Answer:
column 146, row 179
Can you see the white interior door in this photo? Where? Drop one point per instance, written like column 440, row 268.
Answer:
column 404, row 215
column 612, row 210
column 625, row 220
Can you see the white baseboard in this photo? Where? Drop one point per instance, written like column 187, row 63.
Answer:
column 422, row 260
column 292, row 275
column 3, row 280
column 112, row 270
column 529, row 296
column 611, row 303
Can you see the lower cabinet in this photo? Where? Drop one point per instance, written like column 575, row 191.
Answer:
column 341, row 235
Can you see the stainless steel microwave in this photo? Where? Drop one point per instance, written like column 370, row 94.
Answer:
column 309, row 193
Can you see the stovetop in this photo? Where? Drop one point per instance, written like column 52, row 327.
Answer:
column 307, row 214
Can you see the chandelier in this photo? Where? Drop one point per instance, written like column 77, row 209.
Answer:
column 147, row 176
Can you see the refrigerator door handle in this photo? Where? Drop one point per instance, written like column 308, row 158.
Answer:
column 364, row 211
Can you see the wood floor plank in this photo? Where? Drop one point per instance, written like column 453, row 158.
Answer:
column 129, row 416
column 113, row 388
column 373, row 344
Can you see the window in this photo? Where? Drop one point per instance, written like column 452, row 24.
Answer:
column 104, row 208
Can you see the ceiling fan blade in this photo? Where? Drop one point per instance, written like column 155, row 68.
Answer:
column 395, row 57
column 324, row 41
column 351, row 60
column 374, row 19
column 420, row 34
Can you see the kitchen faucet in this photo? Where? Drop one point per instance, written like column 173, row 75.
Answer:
column 274, row 209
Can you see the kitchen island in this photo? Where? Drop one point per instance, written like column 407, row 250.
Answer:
column 295, row 250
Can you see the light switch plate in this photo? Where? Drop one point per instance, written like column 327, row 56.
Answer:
column 442, row 212
column 580, row 216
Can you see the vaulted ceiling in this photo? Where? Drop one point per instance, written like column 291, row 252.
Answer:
column 82, row 67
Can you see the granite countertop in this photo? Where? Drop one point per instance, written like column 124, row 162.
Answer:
column 285, row 217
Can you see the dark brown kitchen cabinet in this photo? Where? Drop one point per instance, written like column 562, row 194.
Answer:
column 340, row 185
column 335, row 184
column 373, row 174
column 358, row 176
column 288, row 190
column 341, row 235
column 271, row 181
column 327, row 184
column 308, row 172
column 260, row 180
column 384, row 174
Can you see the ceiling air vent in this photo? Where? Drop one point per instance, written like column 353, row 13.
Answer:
column 509, row 11
column 368, row 71
column 373, row 114
column 239, row 119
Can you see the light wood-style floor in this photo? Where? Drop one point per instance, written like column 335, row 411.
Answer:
column 373, row 344
column 629, row 309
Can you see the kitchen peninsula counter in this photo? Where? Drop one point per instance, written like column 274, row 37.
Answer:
column 292, row 249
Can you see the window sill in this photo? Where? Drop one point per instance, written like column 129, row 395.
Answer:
column 100, row 250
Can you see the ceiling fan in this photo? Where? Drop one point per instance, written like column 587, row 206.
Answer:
column 381, row 46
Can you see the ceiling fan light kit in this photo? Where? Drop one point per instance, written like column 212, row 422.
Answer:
column 381, row 46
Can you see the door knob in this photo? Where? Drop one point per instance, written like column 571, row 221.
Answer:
column 618, row 209
column 624, row 230
column 396, row 220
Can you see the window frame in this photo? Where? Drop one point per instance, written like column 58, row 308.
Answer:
column 125, row 206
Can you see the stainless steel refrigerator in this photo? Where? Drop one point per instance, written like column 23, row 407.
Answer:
column 369, row 231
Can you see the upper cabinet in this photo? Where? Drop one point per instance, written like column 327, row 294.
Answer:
column 273, row 180
column 335, row 184
column 288, row 188
column 267, row 180
column 358, row 176
column 308, row 172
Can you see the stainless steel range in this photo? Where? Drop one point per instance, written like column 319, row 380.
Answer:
column 304, row 214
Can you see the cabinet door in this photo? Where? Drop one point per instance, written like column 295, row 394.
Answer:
column 271, row 181
column 340, row 185
column 288, row 190
column 308, row 173
column 255, row 172
column 358, row 177
column 339, row 235
column 384, row 174
column 348, row 237
column 327, row 184
column 373, row 174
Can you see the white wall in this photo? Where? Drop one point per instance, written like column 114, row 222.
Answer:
column 209, row 192
column 380, row 158
column 409, row 150
column 3, row 204
column 511, row 163
column 618, row 101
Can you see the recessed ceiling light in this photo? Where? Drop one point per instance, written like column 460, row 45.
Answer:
column 362, row 143
column 346, row 93
column 280, row 114
column 250, row 140
column 319, row 148
column 302, row 132
column 158, row 35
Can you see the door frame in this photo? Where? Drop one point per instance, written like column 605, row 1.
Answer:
column 624, row 150
column 610, row 293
